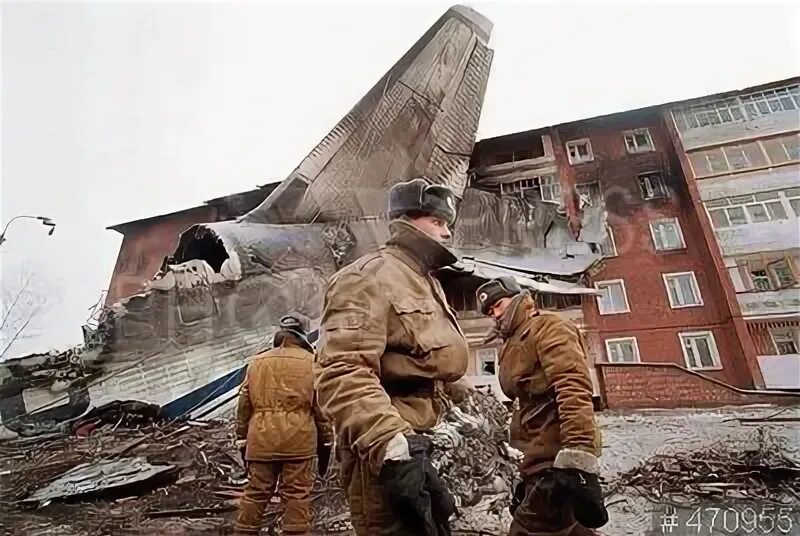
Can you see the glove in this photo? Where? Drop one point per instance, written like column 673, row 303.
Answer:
column 242, row 444
column 583, row 490
column 517, row 497
column 323, row 457
column 417, row 494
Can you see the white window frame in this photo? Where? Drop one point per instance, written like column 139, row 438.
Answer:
column 636, row 356
column 482, row 356
column 637, row 149
column 608, row 282
column 695, row 289
column 723, row 155
column 792, row 334
column 737, row 109
column 578, row 159
column 613, row 253
column 649, row 176
column 765, row 200
column 712, row 346
column 677, row 224
column 553, row 186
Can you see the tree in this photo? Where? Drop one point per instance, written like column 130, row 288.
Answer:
column 20, row 304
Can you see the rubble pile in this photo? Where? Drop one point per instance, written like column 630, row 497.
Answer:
column 723, row 470
column 187, row 478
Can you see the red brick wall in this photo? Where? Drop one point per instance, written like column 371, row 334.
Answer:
column 642, row 386
column 144, row 247
column 651, row 320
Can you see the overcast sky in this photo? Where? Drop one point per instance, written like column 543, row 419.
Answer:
column 114, row 112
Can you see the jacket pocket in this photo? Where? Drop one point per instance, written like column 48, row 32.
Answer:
column 426, row 327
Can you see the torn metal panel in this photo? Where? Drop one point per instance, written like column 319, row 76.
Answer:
column 97, row 478
column 535, row 282
column 420, row 118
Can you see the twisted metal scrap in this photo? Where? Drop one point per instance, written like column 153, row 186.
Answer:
column 728, row 469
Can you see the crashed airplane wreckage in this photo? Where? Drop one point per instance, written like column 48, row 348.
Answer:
column 183, row 344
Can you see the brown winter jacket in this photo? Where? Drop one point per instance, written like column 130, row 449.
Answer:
column 543, row 365
column 389, row 343
column 278, row 413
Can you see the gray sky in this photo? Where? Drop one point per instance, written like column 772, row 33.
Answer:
column 114, row 112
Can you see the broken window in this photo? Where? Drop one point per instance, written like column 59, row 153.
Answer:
column 622, row 350
column 557, row 302
column 579, row 151
column 652, row 185
column 548, row 188
column 487, row 361
column 638, row 141
column 551, row 189
column 783, row 273
column 682, row 290
column 700, row 350
column 667, row 234
column 761, row 281
column 608, row 248
column 612, row 298
column 785, row 341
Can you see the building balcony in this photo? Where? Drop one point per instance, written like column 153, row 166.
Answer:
column 768, row 236
column 780, row 371
column 771, row 303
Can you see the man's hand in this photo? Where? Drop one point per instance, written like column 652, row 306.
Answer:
column 241, row 444
column 417, row 493
column 583, row 490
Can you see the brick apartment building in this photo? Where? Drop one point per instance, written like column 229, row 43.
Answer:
column 694, row 307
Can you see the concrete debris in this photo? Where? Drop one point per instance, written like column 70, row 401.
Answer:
column 720, row 471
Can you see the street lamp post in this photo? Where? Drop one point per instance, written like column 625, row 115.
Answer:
column 47, row 222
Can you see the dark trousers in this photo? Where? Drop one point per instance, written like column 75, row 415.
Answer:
column 543, row 513
column 294, row 481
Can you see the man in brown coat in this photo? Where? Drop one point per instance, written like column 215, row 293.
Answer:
column 283, row 426
column 543, row 366
column 389, row 345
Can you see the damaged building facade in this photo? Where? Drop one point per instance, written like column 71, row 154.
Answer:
column 598, row 217
column 740, row 152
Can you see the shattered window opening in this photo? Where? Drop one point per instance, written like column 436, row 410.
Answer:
column 667, row 234
column 487, row 361
column 613, row 298
column 638, row 141
column 783, row 273
column 760, row 280
column 622, row 350
column 683, row 290
column 700, row 350
column 785, row 340
column 652, row 186
column 608, row 248
column 579, row 151
column 547, row 186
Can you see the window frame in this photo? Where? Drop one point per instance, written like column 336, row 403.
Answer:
column 636, row 355
column 613, row 244
column 712, row 347
column 598, row 299
column 677, row 223
column 651, row 147
column 793, row 335
column 578, row 159
column 648, row 175
column 695, row 288
column 483, row 359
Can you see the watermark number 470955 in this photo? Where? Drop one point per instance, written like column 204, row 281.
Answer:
column 760, row 520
